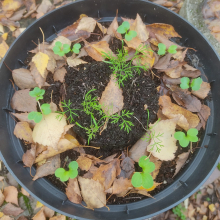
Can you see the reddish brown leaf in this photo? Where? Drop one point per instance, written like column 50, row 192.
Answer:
column 127, row 165
column 11, row 194
column 204, row 115
column 23, row 102
column 10, row 209
column 29, row 157
column 59, row 74
column 84, row 163
column 23, row 131
column 73, row 191
column 163, row 62
column 189, row 71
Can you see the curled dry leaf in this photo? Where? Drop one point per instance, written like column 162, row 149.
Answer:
column 18, row 15
column 41, row 60
column 135, row 43
column 204, row 115
column 186, row 119
column 12, row 210
column 23, row 102
column 168, row 80
column 203, row 91
column 48, row 168
column 141, row 191
column 180, row 55
column 92, row 192
column 59, row 217
column 59, row 74
column 2, row 198
column 11, row 194
column 44, row 7
column 84, row 163
column 120, row 185
column 166, row 143
column 24, row 117
column 86, row 24
column 49, row 130
column 127, row 167
column 112, row 29
column 3, row 48
column 48, row 212
column 166, row 30
column 189, row 71
column 29, row 156
column 102, row 28
column 163, row 62
column 73, row 191
column 110, row 158
column 180, row 161
column 73, row 62
column 174, row 72
column 112, row 99
column 23, row 131
column 158, row 164
column 63, row 145
column 106, row 174
column 40, row 215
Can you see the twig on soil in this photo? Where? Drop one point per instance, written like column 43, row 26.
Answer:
column 140, row 123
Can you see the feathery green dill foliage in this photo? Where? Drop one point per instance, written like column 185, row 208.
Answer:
column 178, row 210
column 122, row 68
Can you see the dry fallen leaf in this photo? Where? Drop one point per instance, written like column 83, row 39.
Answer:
column 84, row 163
column 186, row 119
column 92, row 192
column 9, row 6
column 112, row 99
column 86, row 24
column 49, row 213
column 6, row 217
column 158, row 164
column 112, row 29
column 48, row 168
column 59, row 217
column 11, row 194
column 203, row 91
column 41, row 60
column 3, row 48
column 2, row 198
column 102, row 28
column 24, row 117
column 40, row 215
column 18, row 15
column 127, row 167
column 44, row 7
column 163, row 62
column 49, row 130
column 59, row 74
column 23, row 131
column 189, row 71
column 73, row 62
column 73, row 191
column 180, row 161
column 163, row 144
column 204, row 114
column 180, row 55
column 23, row 102
column 12, row 210
column 24, row 192
column 29, row 157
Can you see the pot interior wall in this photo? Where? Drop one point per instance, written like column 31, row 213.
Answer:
column 185, row 183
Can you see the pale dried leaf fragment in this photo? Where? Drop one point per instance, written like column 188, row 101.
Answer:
column 73, row 191
column 84, row 163
column 6, row 217
column 11, row 194
column 92, row 192
column 41, row 60
column 3, row 48
column 24, row 192
column 59, row 217
column 112, row 99
column 12, row 210
column 204, row 115
column 11, row 5
column 48, row 168
column 18, row 15
column 180, row 161
column 86, row 24
column 40, row 215
column 23, row 131
column 53, row 107
column 44, row 7
column 112, row 29
column 2, row 198
column 59, row 74
column 102, row 28
column 24, row 117
column 49, row 213
column 163, row 147
column 203, row 91
column 49, row 130
column 140, row 28
column 29, row 156
column 73, row 62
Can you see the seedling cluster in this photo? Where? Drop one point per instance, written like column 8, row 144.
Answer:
column 144, row 178
column 178, row 210
column 64, row 175
column 62, row 49
column 162, row 49
column 185, row 139
column 124, row 29
column 195, row 84
column 45, row 108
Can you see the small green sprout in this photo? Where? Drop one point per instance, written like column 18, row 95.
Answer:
column 195, row 84
column 162, row 49
column 218, row 166
column 61, row 49
column 64, row 175
column 123, row 29
column 76, row 48
column 185, row 139
column 178, row 210
column 144, row 178
column 35, row 116
column 37, row 93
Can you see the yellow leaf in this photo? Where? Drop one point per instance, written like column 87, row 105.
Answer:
column 5, row 36
column 41, row 60
column 1, row 28
column 12, row 28
column 1, row 214
column 3, row 48
column 38, row 205
column 11, row 5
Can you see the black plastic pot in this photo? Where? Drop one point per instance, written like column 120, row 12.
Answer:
column 192, row 176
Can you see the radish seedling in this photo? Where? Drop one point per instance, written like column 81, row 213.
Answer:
column 195, row 84
column 123, row 29
column 61, row 49
column 162, row 49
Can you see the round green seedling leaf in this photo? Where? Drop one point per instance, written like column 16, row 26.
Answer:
column 77, row 46
column 73, row 165
column 126, row 25
column 147, row 180
column 196, row 84
column 193, row 138
column 59, row 172
column 58, row 44
column 121, row 30
column 65, row 176
column 179, row 135
column 149, row 168
column 184, row 142
column 66, row 48
column 136, row 180
column 75, row 50
column 192, row 132
column 161, row 49
column 184, row 83
column 73, row 174
column 46, row 109
column 35, row 116
column 172, row 49
column 37, row 92
column 143, row 161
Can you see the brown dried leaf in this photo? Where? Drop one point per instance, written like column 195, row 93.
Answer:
column 166, row 30
column 24, row 192
column 29, row 157
column 49, row 130
column 23, row 131
column 23, row 102
column 86, row 24
column 84, row 163
column 17, row 32
column 51, row 66
column 59, row 217
column 11, row 194
column 102, row 28
column 204, row 114
column 110, row 158
column 11, row 5
column 174, row 72
column 203, row 91
column 73, row 191
column 73, row 62
column 30, row 4
column 40, row 215
column 18, row 15
column 168, row 80
column 180, row 161
column 127, row 165
column 10, row 209
column 112, row 29
column 166, row 140
column 189, row 71
column 59, row 74
column 186, row 119
column 49, row 213
column 63, row 145
column 2, row 198
column 24, row 117
column 135, row 43
column 158, row 164
column 112, row 99
column 53, row 107
column 92, row 192
column 48, row 168
column 180, row 55
column 163, row 62
column 44, row 7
